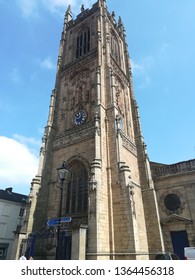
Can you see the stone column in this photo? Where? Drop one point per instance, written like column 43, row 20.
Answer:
column 78, row 251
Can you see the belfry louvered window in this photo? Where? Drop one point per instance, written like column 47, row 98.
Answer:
column 115, row 49
column 77, row 190
column 83, row 43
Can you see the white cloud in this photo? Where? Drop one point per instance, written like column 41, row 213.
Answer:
column 18, row 165
column 28, row 7
column 47, row 63
column 143, row 66
column 136, row 67
column 164, row 47
column 31, row 7
column 5, row 104
column 41, row 130
column 55, row 5
column 15, row 75
column 26, row 140
column 146, row 82
column 142, row 71
column 30, row 142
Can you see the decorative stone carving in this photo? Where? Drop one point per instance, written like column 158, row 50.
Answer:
column 130, row 186
column 131, row 194
column 120, row 99
column 82, row 8
column 119, row 73
column 97, row 123
column 92, row 182
column 92, row 192
column 108, row 38
column 42, row 149
column 128, row 144
column 77, row 66
column 74, row 135
column 99, row 36
column 62, row 113
column 118, row 119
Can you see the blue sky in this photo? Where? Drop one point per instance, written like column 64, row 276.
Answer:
column 161, row 40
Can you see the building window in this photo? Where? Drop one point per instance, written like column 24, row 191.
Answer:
column 6, row 210
column 77, row 190
column 115, row 48
column 3, row 227
column 172, row 202
column 83, row 43
column 21, row 213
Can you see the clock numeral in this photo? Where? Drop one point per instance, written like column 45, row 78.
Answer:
column 79, row 117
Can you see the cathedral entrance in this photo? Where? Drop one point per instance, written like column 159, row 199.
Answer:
column 179, row 241
column 43, row 243
column 65, row 246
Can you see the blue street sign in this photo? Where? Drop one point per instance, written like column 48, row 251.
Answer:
column 55, row 222
column 52, row 222
column 66, row 219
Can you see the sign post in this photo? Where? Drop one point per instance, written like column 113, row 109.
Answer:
column 55, row 222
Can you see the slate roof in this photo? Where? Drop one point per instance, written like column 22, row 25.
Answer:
column 7, row 194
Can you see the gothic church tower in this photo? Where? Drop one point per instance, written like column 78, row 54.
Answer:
column 93, row 126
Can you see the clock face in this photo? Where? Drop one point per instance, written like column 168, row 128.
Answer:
column 79, row 117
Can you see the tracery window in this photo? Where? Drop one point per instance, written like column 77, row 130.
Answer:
column 83, row 43
column 115, row 48
column 77, row 190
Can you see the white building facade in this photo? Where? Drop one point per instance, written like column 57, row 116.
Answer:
column 12, row 209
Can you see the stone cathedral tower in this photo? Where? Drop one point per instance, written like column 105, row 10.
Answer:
column 93, row 126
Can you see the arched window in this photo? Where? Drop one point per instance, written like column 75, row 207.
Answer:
column 115, row 49
column 83, row 43
column 77, row 190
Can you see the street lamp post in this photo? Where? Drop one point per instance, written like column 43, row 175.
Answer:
column 63, row 172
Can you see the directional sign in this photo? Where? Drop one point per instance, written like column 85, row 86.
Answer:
column 52, row 222
column 65, row 219
column 56, row 221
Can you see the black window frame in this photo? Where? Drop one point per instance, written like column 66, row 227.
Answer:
column 83, row 42
column 77, row 190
